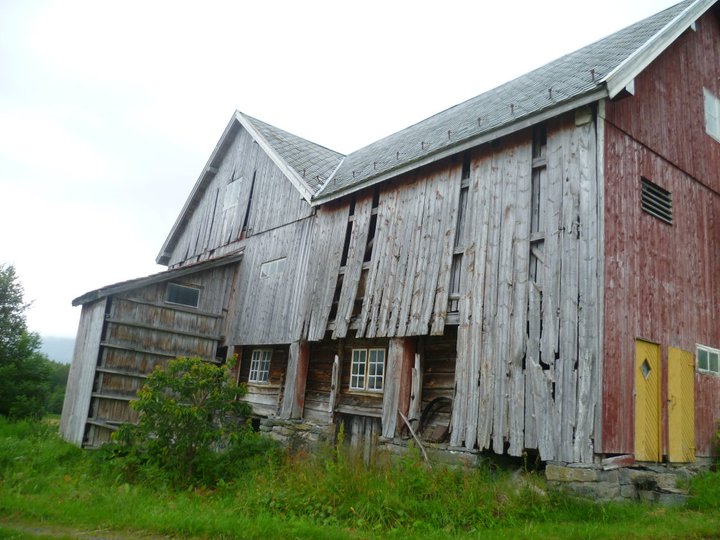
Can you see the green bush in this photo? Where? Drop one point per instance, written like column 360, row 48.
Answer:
column 190, row 429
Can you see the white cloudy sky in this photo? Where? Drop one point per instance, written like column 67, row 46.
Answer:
column 109, row 110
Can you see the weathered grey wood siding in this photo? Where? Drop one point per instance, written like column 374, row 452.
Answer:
column 127, row 336
column 271, row 309
column 403, row 289
column 526, row 373
column 245, row 172
column 528, row 349
column 324, row 265
column 82, row 372
column 407, row 284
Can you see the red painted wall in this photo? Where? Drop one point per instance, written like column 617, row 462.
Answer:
column 662, row 282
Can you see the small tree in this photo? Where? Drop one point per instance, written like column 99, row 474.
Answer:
column 24, row 371
column 187, row 411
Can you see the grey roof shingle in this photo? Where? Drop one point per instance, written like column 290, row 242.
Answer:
column 562, row 80
column 313, row 163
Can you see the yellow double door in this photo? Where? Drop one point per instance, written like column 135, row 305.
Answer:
column 648, row 404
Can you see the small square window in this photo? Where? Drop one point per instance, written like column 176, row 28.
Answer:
column 182, row 295
column 367, row 371
column 708, row 360
column 270, row 268
column 260, row 366
column 712, row 114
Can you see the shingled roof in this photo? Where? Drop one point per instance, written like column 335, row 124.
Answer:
column 312, row 162
column 597, row 71
column 581, row 77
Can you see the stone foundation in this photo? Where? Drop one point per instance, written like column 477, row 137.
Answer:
column 298, row 434
column 614, row 480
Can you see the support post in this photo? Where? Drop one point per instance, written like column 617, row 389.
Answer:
column 293, row 402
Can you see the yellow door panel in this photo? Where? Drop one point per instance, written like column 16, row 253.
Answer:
column 647, row 401
column 681, row 405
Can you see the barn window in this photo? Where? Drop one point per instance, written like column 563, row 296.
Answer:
column 708, row 360
column 656, row 201
column 367, row 370
column 712, row 114
column 232, row 195
column 182, row 295
column 270, row 268
column 260, row 366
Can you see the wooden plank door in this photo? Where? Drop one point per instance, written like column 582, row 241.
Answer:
column 647, row 401
column 681, row 405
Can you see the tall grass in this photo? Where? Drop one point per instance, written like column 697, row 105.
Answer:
column 331, row 494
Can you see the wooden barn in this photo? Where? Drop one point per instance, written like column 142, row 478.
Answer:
column 531, row 270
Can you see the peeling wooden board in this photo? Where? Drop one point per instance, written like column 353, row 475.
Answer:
column 519, row 311
column 327, row 245
column 353, row 267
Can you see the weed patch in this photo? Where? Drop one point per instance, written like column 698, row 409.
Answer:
column 330, row 494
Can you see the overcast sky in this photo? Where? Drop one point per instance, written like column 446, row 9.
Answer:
column 109, row 110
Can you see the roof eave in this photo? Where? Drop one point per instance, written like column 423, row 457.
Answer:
column 198, row 190
column 597, row 93
column 622, row 75
column 166, row 275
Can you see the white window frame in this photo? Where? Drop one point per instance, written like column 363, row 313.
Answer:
column 270, row 268
column 260, row 366
column 172, row 284
column 706, row 366
column 364, row 373
column 712, row 114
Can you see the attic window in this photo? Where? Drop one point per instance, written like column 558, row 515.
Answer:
column 182, row 295
column 656, row 201
column 712, row 114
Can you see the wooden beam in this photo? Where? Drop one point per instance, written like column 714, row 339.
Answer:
column 359, row 411
column 103, row 424
column 173, row 307
column 166, row 330
column 148, row 352
column 113, row 396
column 122, row 372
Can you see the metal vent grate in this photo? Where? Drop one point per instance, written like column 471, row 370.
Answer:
column 656, row 201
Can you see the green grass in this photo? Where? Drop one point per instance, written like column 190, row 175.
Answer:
column 50, row 489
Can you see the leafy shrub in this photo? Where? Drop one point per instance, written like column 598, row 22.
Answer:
column 190, row 425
